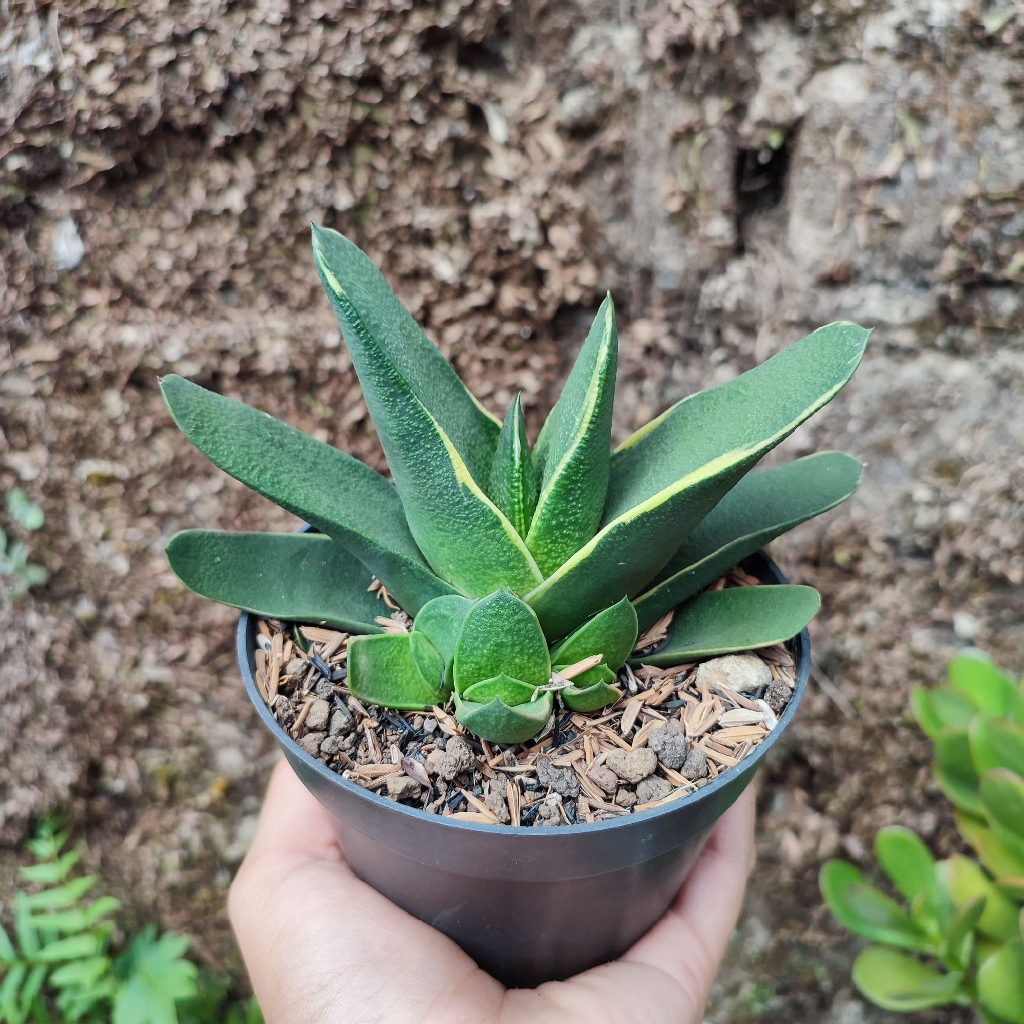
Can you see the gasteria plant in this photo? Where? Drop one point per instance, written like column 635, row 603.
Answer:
column 969, row 921
column 515, row 562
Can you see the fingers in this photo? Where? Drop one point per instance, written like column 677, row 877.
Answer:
column 691, row 939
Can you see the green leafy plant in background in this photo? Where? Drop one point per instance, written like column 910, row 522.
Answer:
column 17, row 574
column 960, row 936
column 516, row 562
column 58, row 964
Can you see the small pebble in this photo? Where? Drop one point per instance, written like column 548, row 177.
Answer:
column 696, row 765
column 670, row 744
column 652, row 788
column 401, row 787
column 319, row 714
column 294, row 667
column 626, row 798
column 777, row 696
column 342, row 722
column 497, row 805
column 458, row 757
column 744, row 673
column 632, row 765
column 562, row 780
column 310, row 743
column 604, row 778
column 324, row 688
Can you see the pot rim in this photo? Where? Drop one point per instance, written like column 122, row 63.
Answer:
column 801, row 641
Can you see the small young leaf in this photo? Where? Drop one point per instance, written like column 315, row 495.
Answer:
column 960, row 928
column 297, row 577
column 501, row 634
column 23, row 510
column 84, row 973
column 72, row 920
column 865, row 911
column 9, row 991
column 590, row 698
column 53, row 871
column 63, row 896
column 964, row 881
column 498, row 723
column 735, row 619
column 1005, row 740
column 906, row 860
column 896, row 981
column 509, row 691
column 513, row 486
column 761, row 507
column 611, row 632
column 30, row 990
column 1001, row 983
column 573, row 450
column 974, row 675
column 100, row 908
column 396, row 670
column 7, row 953
column 440, row 621
column 939, row 707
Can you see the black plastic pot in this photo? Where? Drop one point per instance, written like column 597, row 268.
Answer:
column 529, row 905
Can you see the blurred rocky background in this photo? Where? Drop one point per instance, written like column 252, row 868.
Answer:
column 735, row 172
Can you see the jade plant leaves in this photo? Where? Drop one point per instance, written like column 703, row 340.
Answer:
column 1000, row 859
column 954, row 768
column 499, row 723
column 501, row 634
column 329, row 489
column 940, row 707
column 513, row 485
column 298, row 577
column 461, row 532
column 1001, row 982
column 574, row 450
column 896, row 981
column 735, row 619
column 1003, row 741
column 761, row 507
column 372, row 317
column 975, row 676
column 965, row 881
column 865, row 911
column 1002, row 796
column 396, row 670
column 906, row 860
column 669, row 475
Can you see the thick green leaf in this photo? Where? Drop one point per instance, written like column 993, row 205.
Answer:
column 964, row 881
column 377, row 325
column 574, row 450
column 611, row 633
column 466, row 539
column 999, row 858
column 735, row 619
column 1002, row 796
column 974, row 675
column 498, row 723
column 939, row 707
column 1004, row 740
column 396, row 670
column 761, row 507
column 865, row 911
column 332, row 491
column 440, row 621
column 510, row 691
column 1001, row 983
column 501, row 634
column 906, row 860
column 669, row 475
column 896, row 981
column 597, row 695
column 954, row 769
column 513, row 485
column 298, row 577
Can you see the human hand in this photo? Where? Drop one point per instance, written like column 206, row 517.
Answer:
column 322, row 947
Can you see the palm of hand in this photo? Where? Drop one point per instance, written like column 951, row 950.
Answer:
column 322, row 947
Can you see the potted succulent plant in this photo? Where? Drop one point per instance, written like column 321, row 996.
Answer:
column 545, row 615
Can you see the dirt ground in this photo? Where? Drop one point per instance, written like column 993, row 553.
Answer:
column 735, row 173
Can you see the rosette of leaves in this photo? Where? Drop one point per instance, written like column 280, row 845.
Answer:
column 516, row 561
column 960, row 936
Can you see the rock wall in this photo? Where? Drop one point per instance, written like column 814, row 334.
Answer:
column 735, row 173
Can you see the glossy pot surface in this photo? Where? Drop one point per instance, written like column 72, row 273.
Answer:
column 528, row 904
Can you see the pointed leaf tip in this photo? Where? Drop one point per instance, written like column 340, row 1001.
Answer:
column 513, row 484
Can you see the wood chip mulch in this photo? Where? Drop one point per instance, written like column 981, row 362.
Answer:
column 672, row 731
